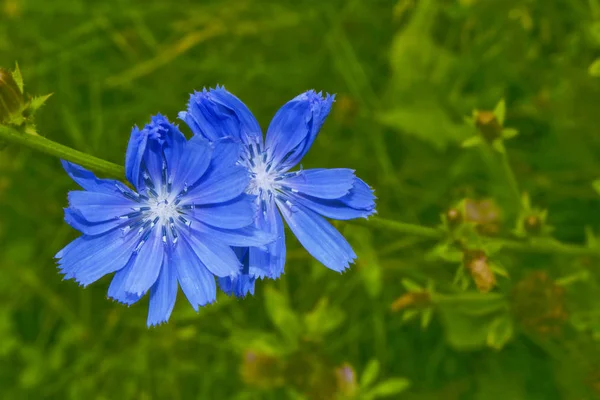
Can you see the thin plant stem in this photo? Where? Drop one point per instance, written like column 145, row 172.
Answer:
column 39, row 143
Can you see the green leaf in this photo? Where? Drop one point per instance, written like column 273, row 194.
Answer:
column 471, row 303
column 426, row 316
column 409, row 314
column 500, row 111
column 596, row 186
column 498, row 145
column 370, row 373
column 282, row 316
column 388, row 388
column 594, row 69
column 509, row 133
column 411, row 286
column 500, row 332
column 38, row 101
column 16, row 74
column 323, row 319
column 472, row 141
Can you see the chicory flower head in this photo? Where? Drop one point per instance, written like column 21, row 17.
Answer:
column 174, row 229
column 303, row 197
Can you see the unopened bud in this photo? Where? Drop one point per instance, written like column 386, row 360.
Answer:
column 454, row 217
column 476, row 263
column 533, row 224
column 488, row 125
column 11, row 98
column 411, row 300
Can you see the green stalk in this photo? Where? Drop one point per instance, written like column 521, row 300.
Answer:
column 39, row 143
column 548, row 247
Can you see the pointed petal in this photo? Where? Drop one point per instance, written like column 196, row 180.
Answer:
column 295, row 126
column 162, row 296
column 270, row 261
column 145, row 266
column 216, row 256
column 334, row 209
column 99, row 207
column 318, row 236
column 194, row 162
column 160, row 143
column 223, row 185
column 88, row 181
column 117, row 291
column 239, row 286
column 322, row 183
column 77, row 221
column 88, row 259
column 360, row 196
column 197, row 283
column 234, row 214
column 216, row 113
column 242, row 237
column 224, row 179
column 134, row 155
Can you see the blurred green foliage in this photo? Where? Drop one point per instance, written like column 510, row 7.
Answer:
column 413, row 319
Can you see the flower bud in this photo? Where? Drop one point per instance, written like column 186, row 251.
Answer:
column 11, row 98
column 411, row 300
column 488, row 125
column 454, row 217
column 533, row 224
column 346, row 380
column 476, row 263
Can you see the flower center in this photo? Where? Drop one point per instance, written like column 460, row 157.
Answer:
column 164, row 210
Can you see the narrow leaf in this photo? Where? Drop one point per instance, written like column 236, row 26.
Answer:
column 370, row 373
column 472, row 141
column 389, row 387
column 18, row 77
column 500, row 111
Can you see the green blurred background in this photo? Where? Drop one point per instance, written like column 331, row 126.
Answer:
column 406, row 73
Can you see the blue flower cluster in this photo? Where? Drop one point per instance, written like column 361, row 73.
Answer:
column 210, row 206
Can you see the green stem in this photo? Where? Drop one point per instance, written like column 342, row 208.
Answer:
column 510, row 176
column 549, row 247
column 47, row 146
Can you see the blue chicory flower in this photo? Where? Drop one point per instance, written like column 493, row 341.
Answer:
column 175, row 228
column 303, row 197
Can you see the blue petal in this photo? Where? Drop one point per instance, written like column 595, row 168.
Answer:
column 117, row 291
column 163, row 144
column 240, row 286
column 197, row 283
column 242, row 237
column 322, row 183
column 222, row 185
column 88, row 259
column 318, row 237
column 334, row 209
column 234, row 214
column 269, row 262
column 98, row 207
column 146, row 264
column 360, row 196
column 295, row 126
column 224, row 180
column 133, row 157
column 162, row 296
column 216, row 256
column 88, row 181
column 77, row 221
column 216, row 113
column 194, row 162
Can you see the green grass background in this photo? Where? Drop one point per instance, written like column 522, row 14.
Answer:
column 405, row 73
